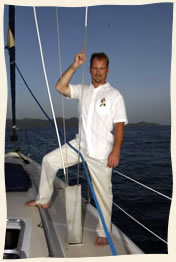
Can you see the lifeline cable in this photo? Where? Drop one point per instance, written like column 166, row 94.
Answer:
column 137, row 182
column 150, row 231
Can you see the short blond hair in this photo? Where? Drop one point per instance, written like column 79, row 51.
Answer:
column 99, row 56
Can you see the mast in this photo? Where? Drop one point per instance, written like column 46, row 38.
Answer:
column 11, row 49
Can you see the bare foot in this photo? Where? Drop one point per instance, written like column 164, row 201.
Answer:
column 101, row 241
column 32, row 203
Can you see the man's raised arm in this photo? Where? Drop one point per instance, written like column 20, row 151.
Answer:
column 62, row 85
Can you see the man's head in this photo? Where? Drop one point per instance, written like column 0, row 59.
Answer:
column 99, row 56
column 99, row 68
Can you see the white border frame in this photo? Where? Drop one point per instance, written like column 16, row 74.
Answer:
column 3, row 107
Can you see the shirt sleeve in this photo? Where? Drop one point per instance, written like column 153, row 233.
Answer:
column 75, row 91
column 119, row 111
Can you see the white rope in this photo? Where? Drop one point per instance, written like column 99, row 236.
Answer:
column 140, row 224
column 86, row 16
column 82, row 91
column 62, row 98
column 60, row 67
column 47, row 85
column 142, row 185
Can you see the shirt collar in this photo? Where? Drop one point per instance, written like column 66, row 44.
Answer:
column 101, row 86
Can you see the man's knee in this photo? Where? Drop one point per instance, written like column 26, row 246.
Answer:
column 47, row 159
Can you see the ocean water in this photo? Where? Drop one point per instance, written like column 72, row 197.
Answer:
column 145, row 157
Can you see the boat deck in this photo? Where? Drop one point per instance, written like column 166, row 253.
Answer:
column 90, row 220
column 54, row 223
column 34, row 233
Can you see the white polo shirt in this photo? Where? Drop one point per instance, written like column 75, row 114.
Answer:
column 101, row 108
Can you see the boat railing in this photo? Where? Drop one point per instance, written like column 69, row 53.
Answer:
column 139, row 183
column 126, row 213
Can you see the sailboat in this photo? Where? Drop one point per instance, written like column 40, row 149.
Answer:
column 37, row 232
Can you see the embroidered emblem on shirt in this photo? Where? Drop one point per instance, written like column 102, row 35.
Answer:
column 103, row 102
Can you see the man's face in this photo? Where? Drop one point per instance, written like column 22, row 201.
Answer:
column 99, row 71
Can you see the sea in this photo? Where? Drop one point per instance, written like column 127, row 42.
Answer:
column 145, row 157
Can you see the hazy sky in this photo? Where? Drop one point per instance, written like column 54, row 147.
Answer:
column 137, row 40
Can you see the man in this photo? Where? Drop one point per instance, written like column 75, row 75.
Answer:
column 103, row 116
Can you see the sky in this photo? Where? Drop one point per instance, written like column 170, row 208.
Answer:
column 137, row 39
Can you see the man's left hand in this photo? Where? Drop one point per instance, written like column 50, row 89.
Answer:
column 113, row 159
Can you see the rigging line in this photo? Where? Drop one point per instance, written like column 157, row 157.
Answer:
column 60, row 67
column 33, row 95
column 46, row 79
column 62, row 98
column 82, row 91
column 140, row 223
column 43, row 111
column 142, row 185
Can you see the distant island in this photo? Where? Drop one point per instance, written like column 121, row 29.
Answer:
column 41, row 123
column 146, row 124
column 69, row 123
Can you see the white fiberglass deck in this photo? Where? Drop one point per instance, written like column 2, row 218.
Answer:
column 34, row 233
column 90, row 220
column 54, row 223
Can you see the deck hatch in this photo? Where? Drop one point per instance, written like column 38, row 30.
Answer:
column 14, row 239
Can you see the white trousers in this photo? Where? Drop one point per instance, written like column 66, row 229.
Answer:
column 99, row 172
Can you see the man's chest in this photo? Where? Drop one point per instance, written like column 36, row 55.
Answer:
column 96, row 104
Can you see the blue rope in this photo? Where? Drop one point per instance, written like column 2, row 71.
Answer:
column 113, row 250
column 114, row 253
column 33, row 95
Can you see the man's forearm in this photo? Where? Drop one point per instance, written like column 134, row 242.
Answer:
column 118, row 136
column 63, row 83
column 114, row 156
